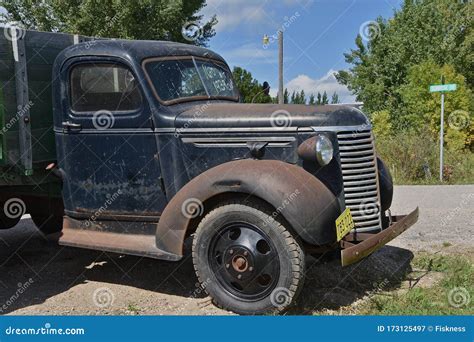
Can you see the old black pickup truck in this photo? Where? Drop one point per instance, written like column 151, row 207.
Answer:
column 135, row 146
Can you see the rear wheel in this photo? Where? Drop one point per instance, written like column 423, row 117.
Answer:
column 247, row 261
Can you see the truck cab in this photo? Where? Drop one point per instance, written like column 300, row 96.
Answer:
column 154, row 147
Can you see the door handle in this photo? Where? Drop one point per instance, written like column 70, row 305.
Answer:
column 71, row 126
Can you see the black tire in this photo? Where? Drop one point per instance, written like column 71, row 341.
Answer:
column 48, row 224
column 7, row 223
column 225, row 247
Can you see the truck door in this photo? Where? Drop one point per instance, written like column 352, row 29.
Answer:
column 105, row 143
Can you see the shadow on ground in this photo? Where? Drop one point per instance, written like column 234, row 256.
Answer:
column 26, row 254
column 328, row 286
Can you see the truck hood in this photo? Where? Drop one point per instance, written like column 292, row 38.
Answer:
column 227, row 115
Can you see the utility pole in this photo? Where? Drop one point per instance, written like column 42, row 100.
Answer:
column 280, row 67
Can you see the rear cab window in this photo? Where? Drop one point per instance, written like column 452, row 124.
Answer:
column 110, row 87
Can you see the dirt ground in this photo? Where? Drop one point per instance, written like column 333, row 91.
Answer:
column 39, row 277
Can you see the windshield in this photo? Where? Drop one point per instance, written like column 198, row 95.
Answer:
column 184, row 78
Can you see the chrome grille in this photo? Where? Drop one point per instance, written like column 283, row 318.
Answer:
column 360, row 178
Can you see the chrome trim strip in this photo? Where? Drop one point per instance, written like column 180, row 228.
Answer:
column 359, row 128
column 237, row 139
column 108, row 131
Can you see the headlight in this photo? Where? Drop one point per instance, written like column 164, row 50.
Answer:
column 324, row 150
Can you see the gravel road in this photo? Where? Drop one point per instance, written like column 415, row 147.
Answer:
column 39, row 277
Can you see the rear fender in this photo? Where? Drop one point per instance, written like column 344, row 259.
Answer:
column 305, row 203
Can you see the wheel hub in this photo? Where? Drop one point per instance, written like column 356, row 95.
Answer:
column 245, row 261
column 240, row 263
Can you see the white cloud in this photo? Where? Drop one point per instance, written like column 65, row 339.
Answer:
column 233, row 13
column 326, row 83
column 248, row 54
column 248, row 14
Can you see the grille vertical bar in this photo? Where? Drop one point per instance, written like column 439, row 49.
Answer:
column 360, row 177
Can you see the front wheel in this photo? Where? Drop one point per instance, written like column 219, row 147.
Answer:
column 48, row 224
column 247, row 261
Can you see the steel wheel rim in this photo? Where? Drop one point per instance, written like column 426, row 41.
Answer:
column 245, row 261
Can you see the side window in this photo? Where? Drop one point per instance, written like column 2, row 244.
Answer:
column 111, row 87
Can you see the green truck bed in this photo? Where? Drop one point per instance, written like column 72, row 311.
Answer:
column 26, row 115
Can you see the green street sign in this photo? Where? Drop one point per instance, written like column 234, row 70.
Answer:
column 442, row 87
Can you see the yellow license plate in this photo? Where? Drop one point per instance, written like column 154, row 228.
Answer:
column 344, row 224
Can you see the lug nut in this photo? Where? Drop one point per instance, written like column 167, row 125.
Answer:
column 227, row 265
column 239, row 276
column 231, row 251
column 250, row 268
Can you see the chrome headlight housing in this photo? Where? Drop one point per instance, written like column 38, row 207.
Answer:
column 324, row 149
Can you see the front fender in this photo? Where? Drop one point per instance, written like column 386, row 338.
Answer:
column 308, row 206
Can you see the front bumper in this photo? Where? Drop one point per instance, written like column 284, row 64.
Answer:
column 357, row 246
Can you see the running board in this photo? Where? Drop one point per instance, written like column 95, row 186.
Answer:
column 133, row 244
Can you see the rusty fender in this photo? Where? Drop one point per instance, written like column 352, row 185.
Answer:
column 308, row 206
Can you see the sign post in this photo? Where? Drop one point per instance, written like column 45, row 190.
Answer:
column 442, row 88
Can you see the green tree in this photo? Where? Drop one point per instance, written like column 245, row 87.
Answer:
column 286, row 96
column 319, row 99
column 293, row 97
column 298, row 97
column 302, row 97
column 441, row 30
column 420, row 108
column 144, row 19
column 382, row 127
column 250, row 89
column 325, row 99
column 335, row 98
column 312, row 100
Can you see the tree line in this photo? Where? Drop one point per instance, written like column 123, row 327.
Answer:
column 252, row 91
column 397, row 59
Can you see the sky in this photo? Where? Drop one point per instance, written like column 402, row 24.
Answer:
column 316, row 35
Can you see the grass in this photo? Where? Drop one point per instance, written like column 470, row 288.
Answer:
column 413, row 158
column 452, row 295
column 133, row 308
